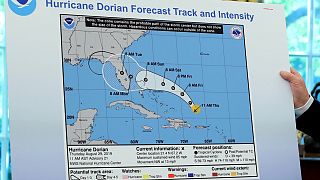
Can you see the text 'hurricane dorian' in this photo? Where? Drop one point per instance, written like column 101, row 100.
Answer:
column 85, row 6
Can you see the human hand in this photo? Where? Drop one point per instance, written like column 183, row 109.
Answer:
column 298, row 87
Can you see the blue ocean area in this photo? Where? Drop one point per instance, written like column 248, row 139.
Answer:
column 211, row 68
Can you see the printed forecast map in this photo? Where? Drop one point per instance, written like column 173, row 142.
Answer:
column 129, row 81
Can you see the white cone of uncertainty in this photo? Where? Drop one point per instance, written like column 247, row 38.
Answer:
column 148, row 80
column 123, row 73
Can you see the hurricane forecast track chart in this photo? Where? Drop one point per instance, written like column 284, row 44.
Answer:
column 147, row 99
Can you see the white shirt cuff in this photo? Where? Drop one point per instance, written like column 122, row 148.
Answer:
column 299, row 111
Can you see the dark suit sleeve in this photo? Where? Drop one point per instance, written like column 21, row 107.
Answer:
column 309, row 122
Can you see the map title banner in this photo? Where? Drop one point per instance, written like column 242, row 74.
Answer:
column 133, row 8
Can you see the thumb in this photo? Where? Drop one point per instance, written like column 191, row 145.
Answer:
column 287, row 76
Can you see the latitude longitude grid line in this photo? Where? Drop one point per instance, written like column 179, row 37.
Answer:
column 204, row 94
column 78, row 79
column 105, row 92
column 178, row 64
column 132, row 111
column 181, row 64
column 225, row 75
column 157, row 108
column 193, row 91
column 139, row 117
column 173, row 64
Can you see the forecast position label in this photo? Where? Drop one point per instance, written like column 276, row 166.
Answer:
column 148, row 99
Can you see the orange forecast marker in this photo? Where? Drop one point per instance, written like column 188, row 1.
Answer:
column 196, row 109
